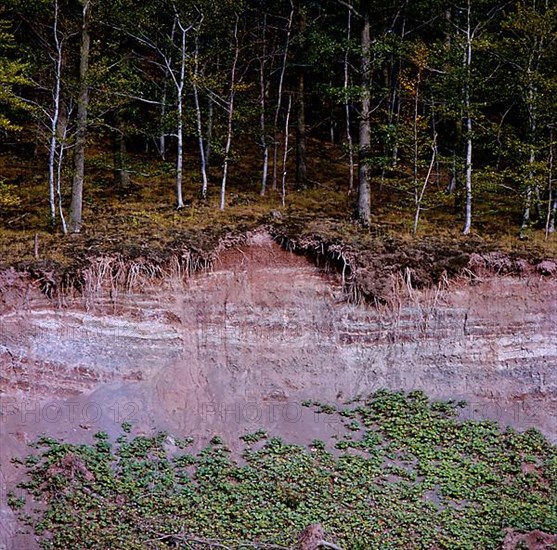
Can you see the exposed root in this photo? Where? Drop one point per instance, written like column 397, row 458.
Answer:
column 377, row 272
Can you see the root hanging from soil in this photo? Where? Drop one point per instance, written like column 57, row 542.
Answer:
column 375, row 271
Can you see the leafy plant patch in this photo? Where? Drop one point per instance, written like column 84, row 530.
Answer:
column 408, row 474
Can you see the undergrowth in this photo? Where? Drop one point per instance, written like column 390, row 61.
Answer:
column 405, row 474
column 143, row 215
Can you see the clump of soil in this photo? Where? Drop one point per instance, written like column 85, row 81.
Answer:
column 368, row 262
column 534, row 540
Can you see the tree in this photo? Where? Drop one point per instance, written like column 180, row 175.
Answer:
column 230, row 105
column 528, row 50
column 76, row 211
column 49, row 27
column 301, row 140
column 364, row 151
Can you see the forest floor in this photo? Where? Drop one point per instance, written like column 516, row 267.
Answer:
column 143, row 217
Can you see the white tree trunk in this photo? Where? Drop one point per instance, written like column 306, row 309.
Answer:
column 55, row 117
column 468, row 123
column 552, row 200
column 162, row 137
column 347, row 106
column 419, row 197
column 280, row 93
column 532, row 156
column 262, row 107
column 180, row 83
column 285, row 154
column 230, row 116
column 61, row 150
column 204, row 179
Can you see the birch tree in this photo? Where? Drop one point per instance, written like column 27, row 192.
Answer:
column 167, row 39
column 471, row 22
column 48, row 100
column 230, row 104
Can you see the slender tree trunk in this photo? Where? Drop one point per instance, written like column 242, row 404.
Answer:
column 204, row 179
column 263, row 108
column 209, row 131
column 532, row 156
column 416, row 151
column 364, row 192
column 348, row 120
column 551, row 201
column 76, row 214
column 121, row 172
column 419, row 196
column 162, row 136
column 180, row 155
column 394, row 102
column 551, row 225
column 285, row 153
column 230, row 115
column 280, row 93
column 301, row 165
column 55, row 118
column 301, row 143
column 180, row 112
column 468, row 124
column 61, row 150
column 332, row 121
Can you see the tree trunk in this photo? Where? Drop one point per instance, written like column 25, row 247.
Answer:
column 230, row 116
column 180, row 153
column 263, row 108
column 209, row 131
column 54, row 120
column 204, row 178
column 301, row 164
column 552, row 200
column 364, row 198
column 61, row 150
column 468, row 123
column 551, row 224
column 76, row 214
column 162, row 136
column 347, row 105
column 285, row 153
column 279, row 94
column 180, row 112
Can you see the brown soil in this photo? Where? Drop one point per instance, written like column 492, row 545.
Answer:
column 535, row 540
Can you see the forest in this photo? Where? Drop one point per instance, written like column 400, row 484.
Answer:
column 434, row 105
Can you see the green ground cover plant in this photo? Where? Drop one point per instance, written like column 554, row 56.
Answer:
column 407, row 473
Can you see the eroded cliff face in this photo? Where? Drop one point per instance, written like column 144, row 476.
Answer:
column 241, row 347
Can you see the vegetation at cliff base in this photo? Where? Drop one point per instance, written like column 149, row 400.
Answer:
column 405, row 472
